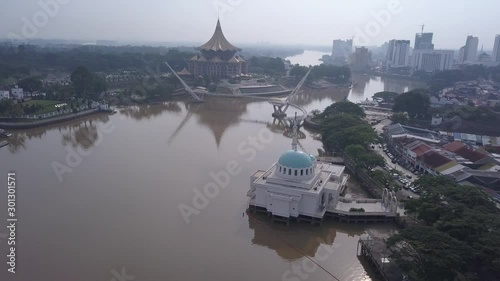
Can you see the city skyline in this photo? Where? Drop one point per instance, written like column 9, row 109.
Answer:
column 293, row 22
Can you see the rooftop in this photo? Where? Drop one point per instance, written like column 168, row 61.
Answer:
column 218, row 42
column 398, row 131
column 434, row 159
column 470, row 154
column 453, row 146
column 421, row 149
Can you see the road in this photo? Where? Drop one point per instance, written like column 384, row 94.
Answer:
column 379, row 129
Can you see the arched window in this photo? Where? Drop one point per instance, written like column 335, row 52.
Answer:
column 284, row 171
column 295, row 171
column 307, row 172
column 301, row 172
column 289, row 172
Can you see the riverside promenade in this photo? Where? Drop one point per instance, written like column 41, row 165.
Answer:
column 47, row 121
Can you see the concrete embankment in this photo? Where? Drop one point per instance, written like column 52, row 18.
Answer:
column 308, row 123
column 46, row 122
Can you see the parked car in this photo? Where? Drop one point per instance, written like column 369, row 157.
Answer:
column 409, row 176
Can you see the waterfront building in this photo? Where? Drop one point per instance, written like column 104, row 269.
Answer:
column 398, row 54
column 484, row 58
column 361, row 59
column 17, row 93
column 423, row 41
column 432, row 60
column 298, row 186
column 496, row 50
column 217, row 58
column 468, row 53
column 341, row 51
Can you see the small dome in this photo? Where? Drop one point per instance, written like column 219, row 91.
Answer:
column 296, row 160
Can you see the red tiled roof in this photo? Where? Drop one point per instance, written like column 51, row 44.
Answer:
column 421, row 149
column 454, row 146
column 434, row 159
column 470, row 154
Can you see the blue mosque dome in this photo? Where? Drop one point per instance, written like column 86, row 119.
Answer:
column 296, row 159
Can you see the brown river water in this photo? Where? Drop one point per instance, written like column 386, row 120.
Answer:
column 100, row 198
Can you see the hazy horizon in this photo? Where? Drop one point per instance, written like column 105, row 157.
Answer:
column 245, row 22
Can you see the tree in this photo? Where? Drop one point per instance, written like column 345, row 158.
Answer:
column 337, row 74
column 87, row 84
column 355, row 151
column 457, row 236
column 415, row 102
column 82, row 81
column 298, row 71
column 343, row 107
column 30, row 84
column 428, row 254
column 400, row 117
column 340, row 130
column 386, row 96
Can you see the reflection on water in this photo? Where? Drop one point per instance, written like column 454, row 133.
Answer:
column 119, row 207
column 365, row 88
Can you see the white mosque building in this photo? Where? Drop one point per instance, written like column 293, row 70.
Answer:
column 300, row 187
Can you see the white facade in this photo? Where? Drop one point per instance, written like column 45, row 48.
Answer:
column 4, row 95
column 297, row 185
column 496, row 50
column 17, row 93
column 286, row 197
column 432, row 60
column 398, row 54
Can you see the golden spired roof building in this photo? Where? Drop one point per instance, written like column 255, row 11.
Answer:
column 218, row 58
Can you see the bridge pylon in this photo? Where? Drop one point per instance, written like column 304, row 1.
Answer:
column 280, row 110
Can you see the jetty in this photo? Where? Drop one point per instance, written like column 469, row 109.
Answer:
column 375, row 252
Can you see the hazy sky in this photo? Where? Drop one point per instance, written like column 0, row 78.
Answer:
column 307, row 22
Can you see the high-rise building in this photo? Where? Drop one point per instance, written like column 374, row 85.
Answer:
column 398, row 54
column 496, row 49
column 423, row 41
column 432, row 60
column 461, row 54
column 469, row 53
column 361, row 59
column 341, row 50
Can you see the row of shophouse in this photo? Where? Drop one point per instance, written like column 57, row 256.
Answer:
column 431, row 153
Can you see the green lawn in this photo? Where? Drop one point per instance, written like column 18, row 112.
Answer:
column 48, row 105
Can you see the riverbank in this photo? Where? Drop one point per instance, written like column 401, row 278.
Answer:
column 384, row 74
column 48, row 121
